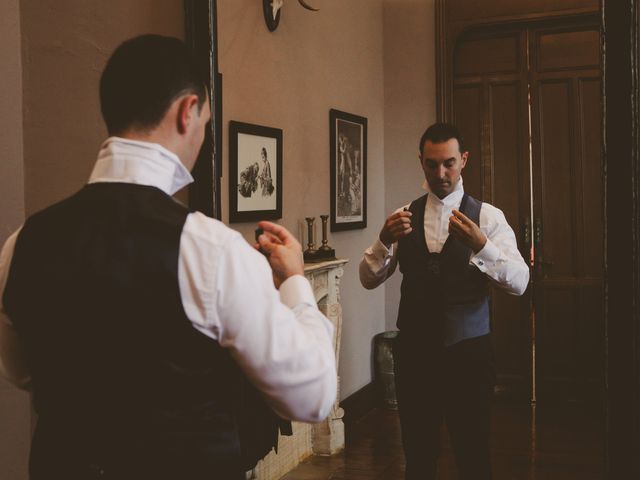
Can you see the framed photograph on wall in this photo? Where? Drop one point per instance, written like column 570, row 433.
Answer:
column 255, row 172
column 348, row 147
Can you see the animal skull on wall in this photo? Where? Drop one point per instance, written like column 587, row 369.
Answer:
column 272, row 8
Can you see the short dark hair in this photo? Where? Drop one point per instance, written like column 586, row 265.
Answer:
column 143, row 77
column 439, row 133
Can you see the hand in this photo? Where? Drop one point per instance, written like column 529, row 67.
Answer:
column 465, row 230
column 395, row 227
column 283, row 252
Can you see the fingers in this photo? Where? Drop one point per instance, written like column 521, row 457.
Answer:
column 401, row 214
column 461, row 217
column 399, row 229
column 278, row 234
column 457, row 227
column 396, row 226
column 276, row 230
column 399, row 220
column 268, row 242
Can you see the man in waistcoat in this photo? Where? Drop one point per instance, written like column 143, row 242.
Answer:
column 450, row 247
column 146, row 331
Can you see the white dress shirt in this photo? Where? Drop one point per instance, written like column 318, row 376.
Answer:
column 278, row 338
column 499, row 259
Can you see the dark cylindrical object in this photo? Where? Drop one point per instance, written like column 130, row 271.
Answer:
column 383, row 369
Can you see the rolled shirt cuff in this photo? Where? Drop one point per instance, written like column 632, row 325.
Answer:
column 296, row 290
column 487, row 256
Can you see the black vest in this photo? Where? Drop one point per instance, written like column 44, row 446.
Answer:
column 124, row 386
column 443, row 297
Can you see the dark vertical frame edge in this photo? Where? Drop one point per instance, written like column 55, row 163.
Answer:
column 201, row 36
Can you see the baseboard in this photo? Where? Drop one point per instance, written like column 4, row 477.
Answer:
column 358, row 404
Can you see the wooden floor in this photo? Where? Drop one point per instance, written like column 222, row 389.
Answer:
column 561, row 443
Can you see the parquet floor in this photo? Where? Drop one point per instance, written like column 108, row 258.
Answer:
column 559, row 443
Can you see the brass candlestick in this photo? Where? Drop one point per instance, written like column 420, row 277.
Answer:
column 325, row 243
column 325, row 252
column 311, row 248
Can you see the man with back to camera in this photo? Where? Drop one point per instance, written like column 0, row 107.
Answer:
column 134, row 321
column 449, row 247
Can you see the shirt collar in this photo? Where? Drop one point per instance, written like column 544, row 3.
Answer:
column 142, row 163
column 451, row 199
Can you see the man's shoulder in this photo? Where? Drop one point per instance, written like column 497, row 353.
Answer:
column 488, row 208
column 490, row 214
column 202, row 228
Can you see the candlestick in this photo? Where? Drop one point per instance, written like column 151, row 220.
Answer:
column 310, row 245
column 325, row 243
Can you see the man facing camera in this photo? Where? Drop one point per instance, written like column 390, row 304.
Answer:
column 136, row 322
column 450, row 247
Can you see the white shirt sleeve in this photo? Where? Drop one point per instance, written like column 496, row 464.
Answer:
column 500, row 258
column 378, row 262
column 280, row 340
column 13, row 365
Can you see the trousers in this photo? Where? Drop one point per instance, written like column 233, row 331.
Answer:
column 451, row 385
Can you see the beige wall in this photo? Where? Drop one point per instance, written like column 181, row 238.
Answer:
column 289, row 79
column 65, row 45
column 15, row 415
column 11, row 169
column 409, row 108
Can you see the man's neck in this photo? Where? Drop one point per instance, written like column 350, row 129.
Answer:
column 156, row 135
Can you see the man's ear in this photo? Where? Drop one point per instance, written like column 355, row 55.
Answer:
column 187, row 112
column 464, row 157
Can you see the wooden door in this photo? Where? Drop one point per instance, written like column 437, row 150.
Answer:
column 491, row 109
column 568, row 210
column 540, row 82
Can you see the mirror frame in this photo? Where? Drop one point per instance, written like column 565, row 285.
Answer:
column 201, row 36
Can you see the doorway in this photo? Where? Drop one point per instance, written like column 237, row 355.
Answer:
column 527, row 98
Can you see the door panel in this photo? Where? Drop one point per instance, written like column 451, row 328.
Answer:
column 468, row 111
column 568, row 49
column 556, row 67
column 495, row 118
column 558, row 234
column 568, row 208
column 472, row 55
column 592, row 168
column 510, row 314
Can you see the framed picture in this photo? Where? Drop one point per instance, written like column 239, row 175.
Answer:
column 348, row 146
column 255, row 172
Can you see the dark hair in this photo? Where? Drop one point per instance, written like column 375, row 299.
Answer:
column 143, row 77
column 439, row 133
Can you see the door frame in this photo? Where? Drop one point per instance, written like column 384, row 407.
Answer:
column 621, row 144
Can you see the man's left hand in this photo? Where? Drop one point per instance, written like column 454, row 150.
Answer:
column 465, row 230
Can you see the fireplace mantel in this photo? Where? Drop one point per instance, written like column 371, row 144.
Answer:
column 326, row 437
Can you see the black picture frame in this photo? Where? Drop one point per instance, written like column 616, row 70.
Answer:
column 348, row 158
column 255, row 190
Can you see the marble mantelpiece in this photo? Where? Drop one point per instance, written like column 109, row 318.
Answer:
column 326, row 437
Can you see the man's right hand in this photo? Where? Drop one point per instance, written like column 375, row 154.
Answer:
column 283, row 251
column 395, row 227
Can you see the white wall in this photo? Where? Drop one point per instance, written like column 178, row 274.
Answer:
column 15, row 414
column 65, row 46
column 289, row 79
column 409, row 108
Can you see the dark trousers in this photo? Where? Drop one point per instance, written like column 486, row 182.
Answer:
column 454, row 384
